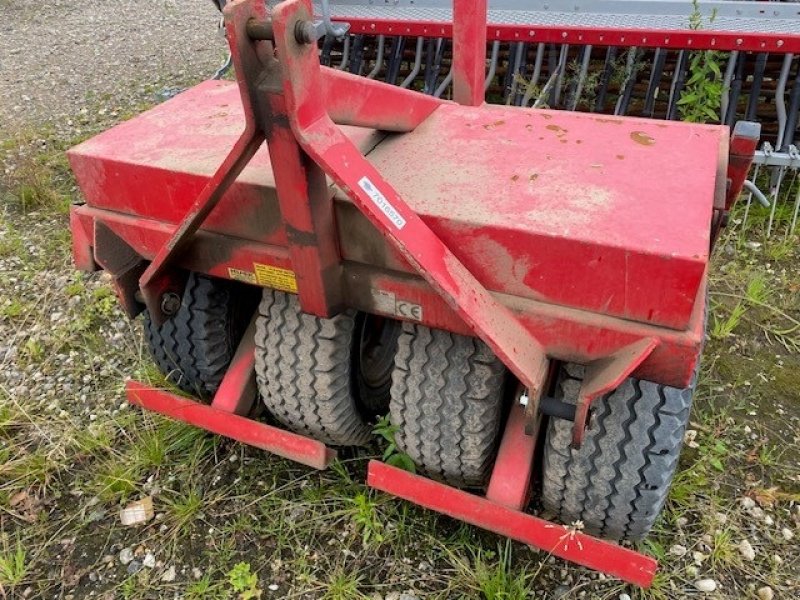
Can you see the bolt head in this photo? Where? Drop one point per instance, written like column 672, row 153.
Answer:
column 170, row 303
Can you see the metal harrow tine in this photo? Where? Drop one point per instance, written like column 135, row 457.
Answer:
column 345, row 53
column 780, row 98
column 736, row 90
column 378, row 58
column 448, row 79
column 790, row 231
column 749, row 200
column 492, row 65
column 755, row 86
column 605, row 77
column 513, row 97
column 775, row 193
column 726, row 86
column 537, row 69
column 537, row 64
column 656, row 71
column 627, row 87
column 432, row 71
column 794, row 110
column 676, row 87
column 395, row 58
column 357, row 55
column 417, row 64
column 578, row 89
column 562, row 69
column 327, row 48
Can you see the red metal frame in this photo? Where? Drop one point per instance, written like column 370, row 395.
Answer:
column 297, row 106
column 277, row 441
column 469, row 51
column 644, row 38
column 565, row 542
column 325, row 143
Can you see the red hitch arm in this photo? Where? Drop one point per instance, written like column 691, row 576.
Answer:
column 325, row 143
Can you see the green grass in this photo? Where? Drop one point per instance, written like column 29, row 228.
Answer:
column 13, row 565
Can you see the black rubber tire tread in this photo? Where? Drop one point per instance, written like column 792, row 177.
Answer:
column 194, row 348
column 446, row 401
column 618, row 481
column 304, row 371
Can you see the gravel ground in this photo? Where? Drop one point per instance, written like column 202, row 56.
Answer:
column 62, row 57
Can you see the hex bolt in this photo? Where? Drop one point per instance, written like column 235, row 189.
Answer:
column 305, row 32
column 170, row 303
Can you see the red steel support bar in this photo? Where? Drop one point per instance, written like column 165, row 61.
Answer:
column 742, row 150
column 678, row 39
column 237, row 392
column 469, row 51
column 325, row 143
column 354, row 100
column 561, row 541
column 154, row 282
column 510, row 484
column 283, row 443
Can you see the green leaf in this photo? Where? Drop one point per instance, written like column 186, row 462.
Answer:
column 402, row 461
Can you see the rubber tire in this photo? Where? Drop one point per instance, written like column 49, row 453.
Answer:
column 618, row 481
column 447, row 404
column 305, row 371
column 194, row 348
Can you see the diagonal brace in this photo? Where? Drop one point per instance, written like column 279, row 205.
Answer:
column 325, row 143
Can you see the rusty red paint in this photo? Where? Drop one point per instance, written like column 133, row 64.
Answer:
column 469, row 51
column 563, row 542
column 260, row 435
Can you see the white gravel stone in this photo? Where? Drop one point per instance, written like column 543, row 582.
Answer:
column 149, row 560
column 765, row 593
column 747, row 550
column 169, row 575
column 705, row 585
column 787, row 534
column 126, row 555
column 678, row 550
column 747, row 503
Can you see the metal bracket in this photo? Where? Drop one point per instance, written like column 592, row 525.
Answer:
column 604, row 376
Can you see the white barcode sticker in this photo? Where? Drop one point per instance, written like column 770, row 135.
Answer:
column 381, row 202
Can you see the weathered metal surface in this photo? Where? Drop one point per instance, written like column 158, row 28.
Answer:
column 469, row 51
column 564, row 542
column 510, row 484
column 237, row 392
column 324, row 142
column 605, row 375
column 634, row 247
column 260, row 435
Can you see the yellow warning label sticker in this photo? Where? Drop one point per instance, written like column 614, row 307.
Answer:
column 240, row 275
column 275, row 277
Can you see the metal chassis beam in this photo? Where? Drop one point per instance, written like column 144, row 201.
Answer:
column 562, row 541
column 234, row 399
